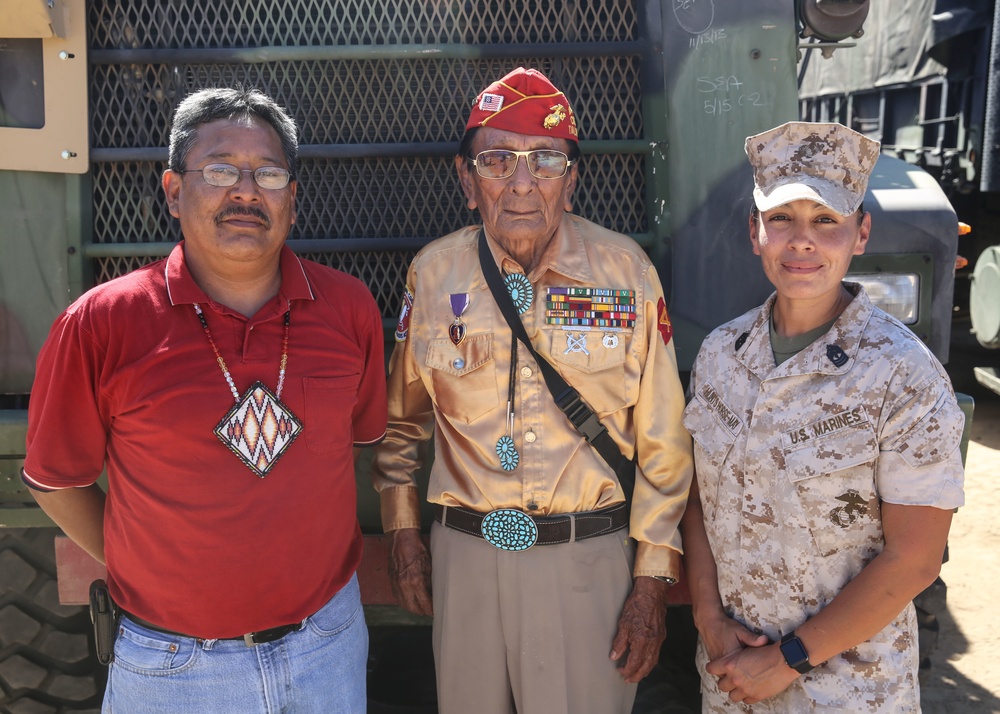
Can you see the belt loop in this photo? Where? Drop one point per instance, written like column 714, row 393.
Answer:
column 444, row 515
column 572, row 528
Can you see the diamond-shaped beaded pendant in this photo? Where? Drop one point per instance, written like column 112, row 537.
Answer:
column 259, row 429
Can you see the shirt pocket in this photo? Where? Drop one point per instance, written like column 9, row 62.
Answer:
column 713, row 439
column 464, row 377
column 329, row 408
column 834, row 477
column 595, row 370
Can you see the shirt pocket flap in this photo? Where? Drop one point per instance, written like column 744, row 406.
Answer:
column 708, row 429
column 459, row 360
column 588, row 351
column 847, row 447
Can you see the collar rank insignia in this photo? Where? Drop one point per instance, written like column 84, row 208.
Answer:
column 836, row 355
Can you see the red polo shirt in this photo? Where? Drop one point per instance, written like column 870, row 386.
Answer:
column 195, row 541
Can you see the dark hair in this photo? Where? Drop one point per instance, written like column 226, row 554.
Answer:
column 755, row 212
column 208, row 105
column 465, row 148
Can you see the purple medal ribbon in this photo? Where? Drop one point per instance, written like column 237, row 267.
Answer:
column 459, row 304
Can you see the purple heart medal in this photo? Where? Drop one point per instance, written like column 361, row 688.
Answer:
column 459, row 304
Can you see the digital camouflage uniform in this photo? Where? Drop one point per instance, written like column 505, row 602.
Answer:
column 793, row 461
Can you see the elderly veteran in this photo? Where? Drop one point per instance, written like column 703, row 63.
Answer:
column 827, row 458
column 540, row 603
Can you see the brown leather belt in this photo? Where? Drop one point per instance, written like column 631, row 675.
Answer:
column 251, row 638
column 564, row 528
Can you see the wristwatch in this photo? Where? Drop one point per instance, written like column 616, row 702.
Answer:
column 795, row 653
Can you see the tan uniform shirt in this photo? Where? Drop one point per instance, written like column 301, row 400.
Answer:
column 627, row 375
column 793, row 462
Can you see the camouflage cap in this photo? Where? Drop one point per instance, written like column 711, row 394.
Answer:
column 826, row 163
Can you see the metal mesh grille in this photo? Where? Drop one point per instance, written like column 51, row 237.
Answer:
column 363, row 198
column 383, row 271
column 129, row 206
column 108, row 268
column 379, row 101
column 375, row 101
column 252, row 23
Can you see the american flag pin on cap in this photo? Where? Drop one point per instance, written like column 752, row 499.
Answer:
column 490, row 102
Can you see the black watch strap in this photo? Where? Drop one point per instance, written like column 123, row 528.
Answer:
column 795, row 653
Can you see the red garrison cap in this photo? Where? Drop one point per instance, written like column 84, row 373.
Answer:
column 525, row 102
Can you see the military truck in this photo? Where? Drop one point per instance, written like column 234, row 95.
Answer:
column 665, row 92
column 925, row 81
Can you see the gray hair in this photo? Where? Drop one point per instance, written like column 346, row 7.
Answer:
column 208, row 105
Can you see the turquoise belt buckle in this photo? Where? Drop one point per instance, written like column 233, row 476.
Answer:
column 509, row 529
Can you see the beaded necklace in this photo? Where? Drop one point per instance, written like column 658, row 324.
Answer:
column 260, row 428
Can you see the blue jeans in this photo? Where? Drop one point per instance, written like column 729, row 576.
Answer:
column 318, row 670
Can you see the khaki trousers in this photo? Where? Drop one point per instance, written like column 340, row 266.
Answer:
column 529, row 632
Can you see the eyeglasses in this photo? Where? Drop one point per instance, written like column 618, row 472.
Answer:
column 272, row 178
column 501, row 163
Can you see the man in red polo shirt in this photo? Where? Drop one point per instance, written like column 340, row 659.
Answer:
column 223, row 388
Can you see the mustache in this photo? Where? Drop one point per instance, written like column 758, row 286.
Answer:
column 248, row 211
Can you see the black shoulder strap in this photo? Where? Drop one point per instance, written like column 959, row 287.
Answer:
column 567, row 399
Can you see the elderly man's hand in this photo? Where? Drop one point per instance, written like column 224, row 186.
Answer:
column 641, row 628
column 410, row 571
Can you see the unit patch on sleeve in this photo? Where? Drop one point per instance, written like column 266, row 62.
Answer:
column 590, row 307
column 403, row 326
column 663, row 322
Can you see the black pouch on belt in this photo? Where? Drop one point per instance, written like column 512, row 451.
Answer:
column 103, row 614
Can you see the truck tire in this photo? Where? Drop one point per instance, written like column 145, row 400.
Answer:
column 47, row 662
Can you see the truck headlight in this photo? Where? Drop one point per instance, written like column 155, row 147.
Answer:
column 895, row 293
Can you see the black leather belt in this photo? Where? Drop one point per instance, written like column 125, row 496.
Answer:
column 549, row 530
column 251, row 638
